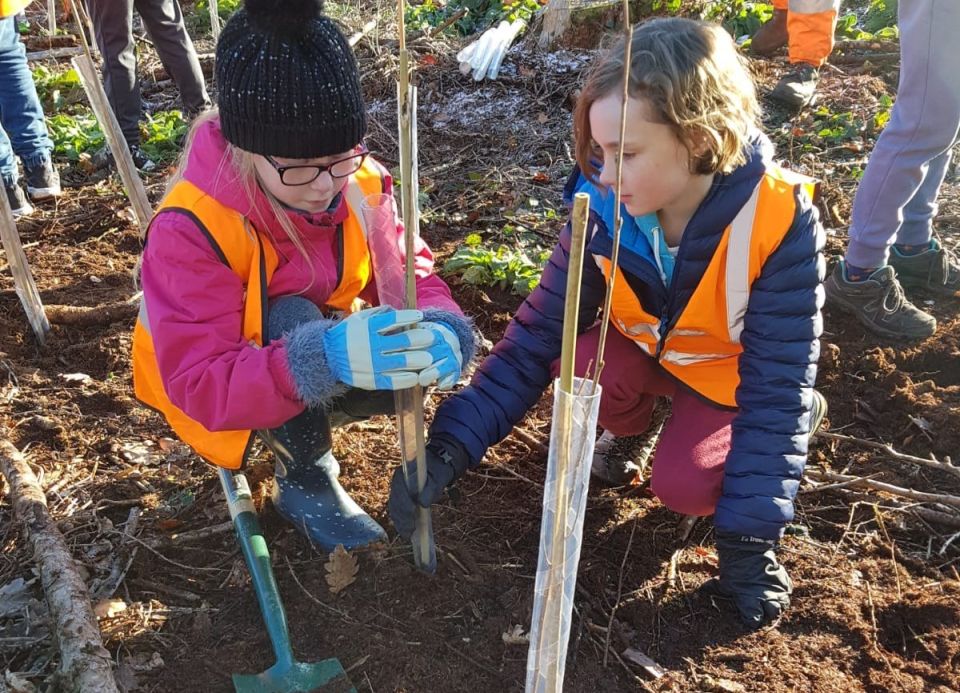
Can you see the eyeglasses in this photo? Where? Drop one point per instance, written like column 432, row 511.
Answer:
column 302, row 175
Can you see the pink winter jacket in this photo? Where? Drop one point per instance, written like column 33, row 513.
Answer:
column 195, row 302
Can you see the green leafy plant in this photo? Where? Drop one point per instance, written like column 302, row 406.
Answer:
column 200, row 19
column 835, row 128
column 670, row 6
column 878, row 22
column 57, row 89
column 481, row 14
column 738, row 17
column 74, row 135
column 162, row 135
column 515, row 268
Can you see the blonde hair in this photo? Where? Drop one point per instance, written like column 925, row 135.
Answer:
column 692, row 78
column 240, row 163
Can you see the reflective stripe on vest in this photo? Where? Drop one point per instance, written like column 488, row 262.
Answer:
column 253, row 258
column 702, row 348
column 814, row 6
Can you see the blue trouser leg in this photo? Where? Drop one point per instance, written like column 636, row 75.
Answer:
column 24, row 130
column 897, row 196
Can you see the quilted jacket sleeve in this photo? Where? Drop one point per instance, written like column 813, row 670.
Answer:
column 778, row 368
column 514, row 376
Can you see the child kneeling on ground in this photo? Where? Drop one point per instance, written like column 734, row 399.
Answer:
column 254, row 261
column 717, row 305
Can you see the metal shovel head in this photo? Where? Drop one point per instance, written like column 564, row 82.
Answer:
column 327, row 676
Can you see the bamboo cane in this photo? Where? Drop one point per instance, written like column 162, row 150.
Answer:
column 617, row 221
column 23, row 282
column 410, row 402
column 111, row 129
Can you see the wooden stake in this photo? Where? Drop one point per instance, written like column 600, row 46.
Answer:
column 85, row 665
column 23, row 282
column 118, row 145
column 52, row 17
column 84, row 25
column 214, row 19
column 423, row 544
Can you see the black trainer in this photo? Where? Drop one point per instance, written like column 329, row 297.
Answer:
column 43, row 181
column 18, row 201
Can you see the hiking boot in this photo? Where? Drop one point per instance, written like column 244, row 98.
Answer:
column 43, row 181
column 797, row 88
column 935, row 269
column 18, row 201
column 306, row 491
column 621, row 460
column 879, row 303
column 772, row 36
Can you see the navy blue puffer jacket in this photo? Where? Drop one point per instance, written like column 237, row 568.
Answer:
column 777, row 367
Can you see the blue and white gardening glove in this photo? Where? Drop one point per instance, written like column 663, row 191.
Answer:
column 372, row 349
column 447, row 357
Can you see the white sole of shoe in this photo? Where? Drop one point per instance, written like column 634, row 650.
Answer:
column 43, row 193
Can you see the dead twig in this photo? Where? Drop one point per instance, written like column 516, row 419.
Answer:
column 922, row 496
column 616, row 603
column 193, row 535
column 530, row 441
column 941, row 465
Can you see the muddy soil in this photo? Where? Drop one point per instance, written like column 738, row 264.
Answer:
column 877, row 600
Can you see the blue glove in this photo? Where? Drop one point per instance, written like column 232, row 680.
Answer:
column 447, row 460
column 448, row 360
column 372, row 350
column 751, row 576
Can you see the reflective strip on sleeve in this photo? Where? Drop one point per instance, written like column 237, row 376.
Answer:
column 738, row 266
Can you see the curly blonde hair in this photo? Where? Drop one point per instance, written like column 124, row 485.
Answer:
column 693, row 79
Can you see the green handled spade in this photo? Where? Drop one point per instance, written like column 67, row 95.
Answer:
column 287, row 675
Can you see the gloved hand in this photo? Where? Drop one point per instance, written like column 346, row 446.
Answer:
column 447, row 460
column 751, row 576
column 448, row 361
column 372, row 350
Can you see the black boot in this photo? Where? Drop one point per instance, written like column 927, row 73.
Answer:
column 306, row 491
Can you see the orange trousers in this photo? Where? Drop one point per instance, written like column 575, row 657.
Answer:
column 810, row 27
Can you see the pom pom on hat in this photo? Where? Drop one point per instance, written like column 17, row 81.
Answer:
column 283, row 17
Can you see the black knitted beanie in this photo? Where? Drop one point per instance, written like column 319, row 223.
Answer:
column 288, row 82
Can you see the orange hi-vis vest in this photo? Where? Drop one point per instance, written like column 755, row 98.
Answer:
column 702, row 348
column 251, row 255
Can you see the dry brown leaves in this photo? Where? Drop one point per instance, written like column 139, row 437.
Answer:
column 341, row 569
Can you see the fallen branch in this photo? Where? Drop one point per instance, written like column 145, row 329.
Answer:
column 928, row 514
column 86, row 316
column 861, row 58
column 922, row 496
column 940, row 465
column 55, row 53
column 85, row 665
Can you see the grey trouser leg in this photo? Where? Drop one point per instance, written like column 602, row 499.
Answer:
column 896, row 200
column 113, row 26
column 163, row 20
